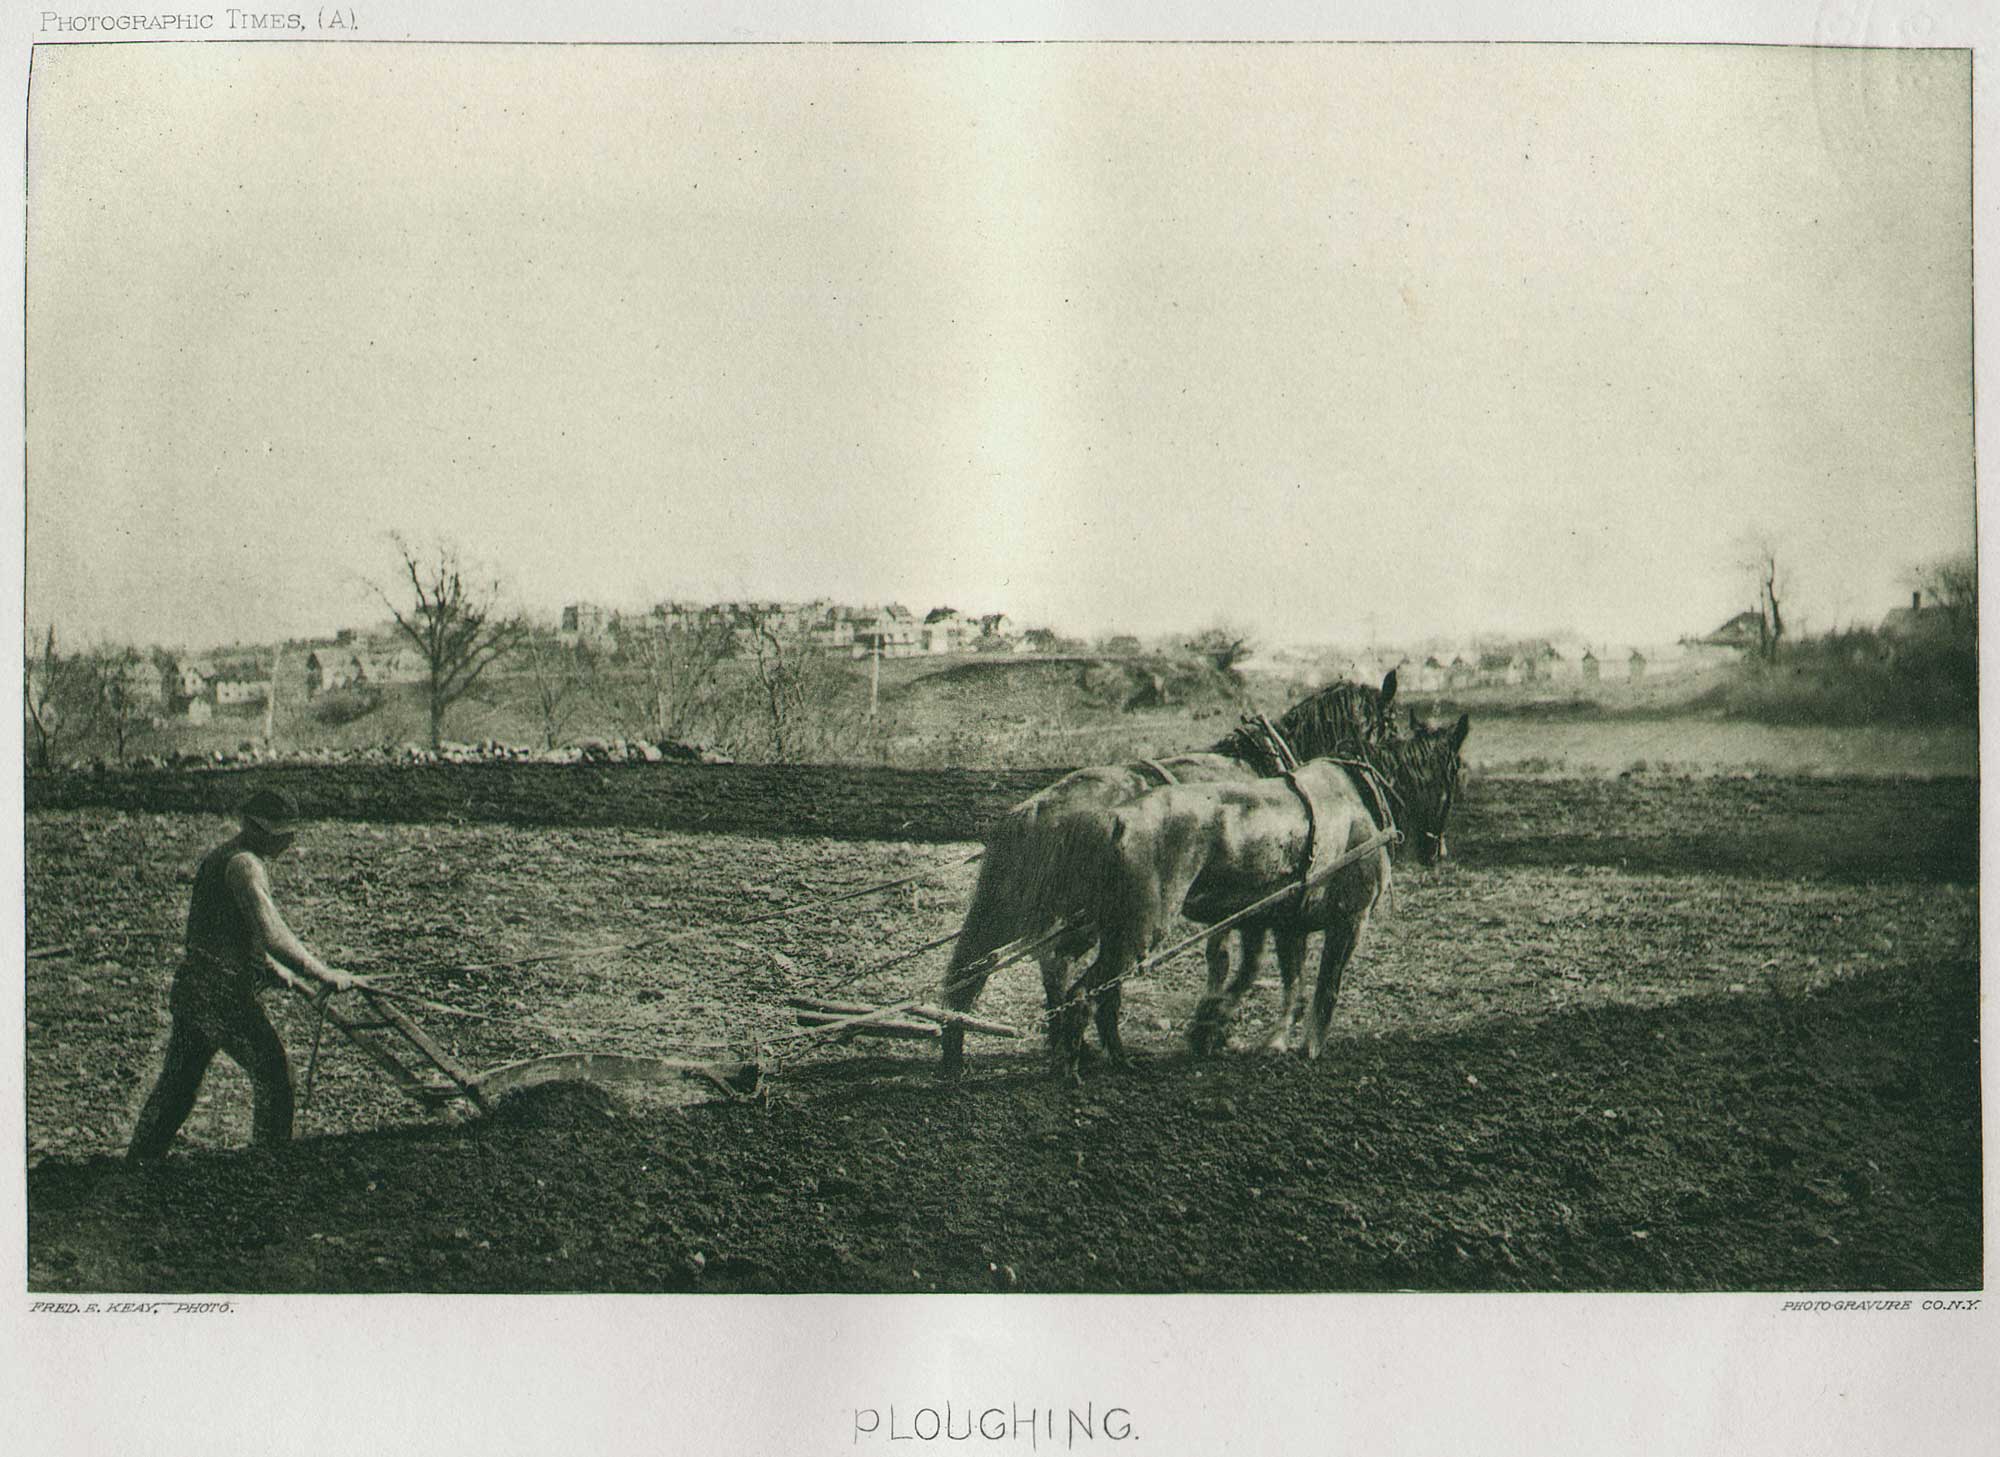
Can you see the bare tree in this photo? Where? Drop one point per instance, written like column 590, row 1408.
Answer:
column 675, row 667
column 456, row 624
column 1758, row 555
column 59, row 692
column 796, row 693
column 123, row 705
column 563, row 675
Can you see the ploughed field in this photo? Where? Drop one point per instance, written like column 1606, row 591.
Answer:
column 1645, row 1033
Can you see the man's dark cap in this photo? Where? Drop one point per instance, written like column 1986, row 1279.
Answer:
column 273, row 811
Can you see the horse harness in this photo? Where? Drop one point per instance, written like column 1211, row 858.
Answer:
column 1165, row 774
column 1365, row 776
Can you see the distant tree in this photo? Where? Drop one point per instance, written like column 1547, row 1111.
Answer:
column 674, row 666
column 782, row 669
column 1757, row 554
column 563, row 675
column 123, row 705
column 456, row 625
column 795, row 692
column 60, row 696
column 1223, row 645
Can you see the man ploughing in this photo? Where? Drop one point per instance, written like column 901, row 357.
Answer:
column 238, row 947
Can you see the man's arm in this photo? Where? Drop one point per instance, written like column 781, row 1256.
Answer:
column 271, row 939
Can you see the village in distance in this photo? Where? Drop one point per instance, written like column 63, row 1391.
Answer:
column 762, row 679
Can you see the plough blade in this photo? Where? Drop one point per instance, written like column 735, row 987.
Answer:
column 737, row 1079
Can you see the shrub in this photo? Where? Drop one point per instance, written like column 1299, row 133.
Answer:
column 345, row 705
column 1860, row 676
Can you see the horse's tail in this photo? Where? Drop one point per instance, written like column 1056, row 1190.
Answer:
column 1039, row 870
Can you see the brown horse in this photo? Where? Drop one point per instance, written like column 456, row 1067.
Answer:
column 1207, row 851
column 1028, row 878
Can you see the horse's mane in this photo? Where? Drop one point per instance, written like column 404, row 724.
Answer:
column 1340, row 720
column 1420, row 759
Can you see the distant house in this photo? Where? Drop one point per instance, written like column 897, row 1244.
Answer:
column 1743, row 631
column 1460, row 674
column 330, row 669
column 1635, row 666
column 996, row 627
column 390, row 663
column 833, row 630
column 233, row 691
column 889, row 632
column 1040, row 640
column 583, row 622
column 1429, row 676
column 1541, row 663
column 186, row 682
column 1589, row 667
column 1498, row 669
column 1918, row 622
column 141, row 682
column 1124, row 645
column 944, row 630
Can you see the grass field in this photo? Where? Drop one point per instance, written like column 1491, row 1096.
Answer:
column 1036, row 712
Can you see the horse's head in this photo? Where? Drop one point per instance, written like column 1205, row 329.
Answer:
column 1424, row 773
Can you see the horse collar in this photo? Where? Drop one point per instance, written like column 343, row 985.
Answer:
column 1369, row 779
column 1166, row 774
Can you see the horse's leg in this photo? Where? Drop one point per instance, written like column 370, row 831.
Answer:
column 1067, row 1021
column 961, row 990
column 1210, row 1019
column 1252, row 940
column 1056, row 964
column 1291, row 961
column 1343, row 938
column 1098, row 987
column 990, row 922
column 1108, row 1002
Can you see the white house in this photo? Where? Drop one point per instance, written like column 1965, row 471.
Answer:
column 233, row 692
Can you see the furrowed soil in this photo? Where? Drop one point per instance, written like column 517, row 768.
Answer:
column 1640, row 1033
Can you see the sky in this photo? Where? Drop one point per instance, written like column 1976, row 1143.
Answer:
column 1322, row 342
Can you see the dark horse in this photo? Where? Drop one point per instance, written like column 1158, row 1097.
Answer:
column 1028, row 878
column 1207, row 851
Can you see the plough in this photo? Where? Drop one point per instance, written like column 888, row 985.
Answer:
column 857, row 1019
column 432, row 1077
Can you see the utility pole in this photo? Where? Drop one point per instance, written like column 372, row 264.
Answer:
column 271, row 697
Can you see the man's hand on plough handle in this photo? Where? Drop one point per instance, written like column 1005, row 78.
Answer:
column 319, row 989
